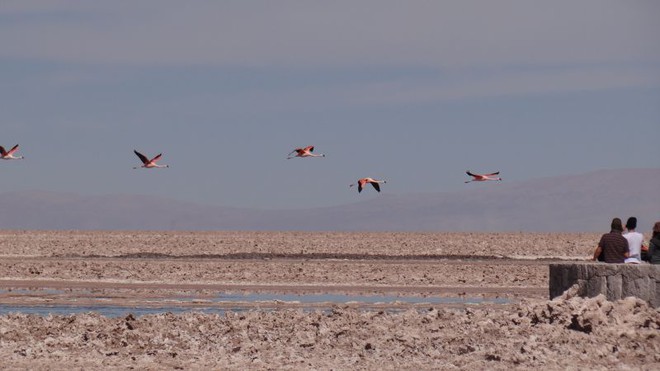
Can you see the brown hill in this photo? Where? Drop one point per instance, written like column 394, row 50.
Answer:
column 585, row 202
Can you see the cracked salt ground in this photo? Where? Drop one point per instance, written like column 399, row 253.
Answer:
column 559, row 334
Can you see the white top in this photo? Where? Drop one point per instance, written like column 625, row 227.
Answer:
column 635, row 240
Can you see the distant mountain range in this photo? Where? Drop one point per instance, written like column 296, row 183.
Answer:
column 575, row 203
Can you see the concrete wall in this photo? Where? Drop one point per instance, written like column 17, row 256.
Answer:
column 616, row 281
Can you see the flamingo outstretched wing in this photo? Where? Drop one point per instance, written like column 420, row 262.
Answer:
column 14, row 149
column 481, row 175
column 142, row 157
column 298, row 151
column 4, row 152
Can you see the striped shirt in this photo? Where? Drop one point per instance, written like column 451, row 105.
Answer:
column 613, row 246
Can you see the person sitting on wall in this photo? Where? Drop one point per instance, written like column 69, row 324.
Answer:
column 654, row 245
column 613, row 245
column 635, row 240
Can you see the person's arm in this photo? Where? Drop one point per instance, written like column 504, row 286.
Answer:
column 626, row 253
column 599, row 248
column 597, row 253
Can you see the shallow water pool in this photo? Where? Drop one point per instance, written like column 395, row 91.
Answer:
column 242, row 302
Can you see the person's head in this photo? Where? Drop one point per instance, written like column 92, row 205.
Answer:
column 656, row 229
column 631, row 223
column 616, row 225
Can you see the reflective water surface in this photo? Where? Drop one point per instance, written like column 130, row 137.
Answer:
column 239, row 302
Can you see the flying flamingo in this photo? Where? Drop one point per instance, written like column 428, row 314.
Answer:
column 482, row 177
column 9, row 155
column 304, row 152
column 373, row 182
column 149, row 164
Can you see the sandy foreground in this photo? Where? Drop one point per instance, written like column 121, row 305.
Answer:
column 512, row 324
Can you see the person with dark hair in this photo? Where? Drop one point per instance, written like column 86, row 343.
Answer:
column 613, row 245
column 654, row 245
column 635, row 240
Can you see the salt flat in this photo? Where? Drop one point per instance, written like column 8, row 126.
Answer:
column 192, row 269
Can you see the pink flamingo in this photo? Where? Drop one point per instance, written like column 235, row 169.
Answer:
column 304, row 152
column 149, row 164
column 9, row 155
column 482, row 177
column 362, row 182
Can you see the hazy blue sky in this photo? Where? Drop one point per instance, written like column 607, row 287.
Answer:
column 414, row 92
